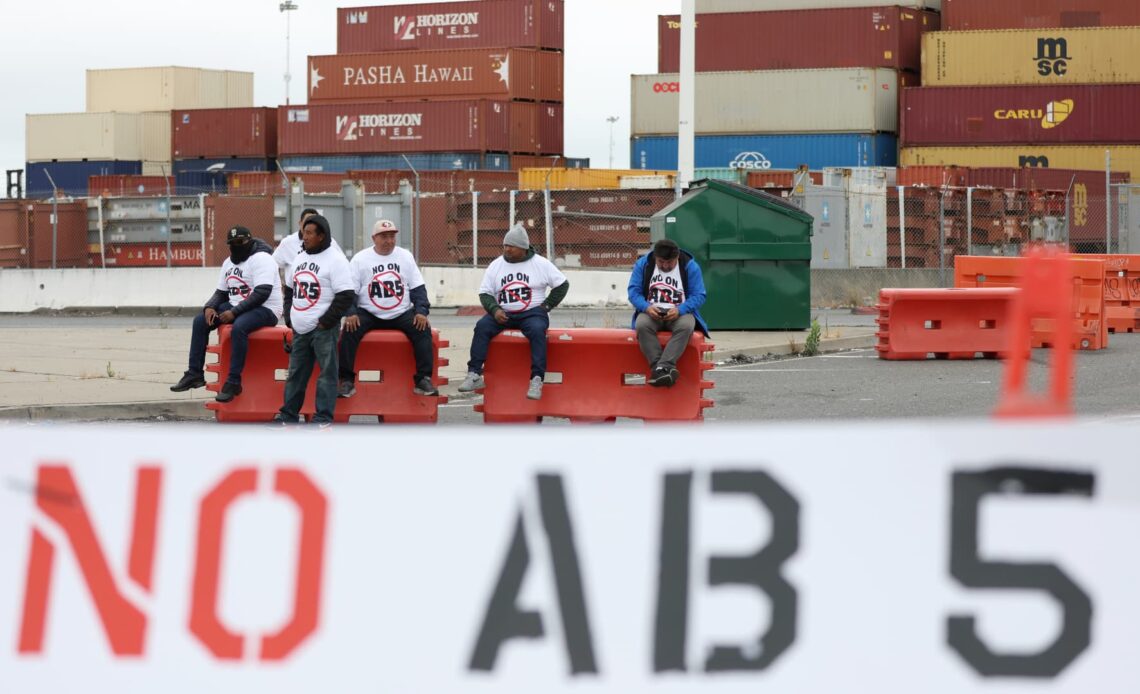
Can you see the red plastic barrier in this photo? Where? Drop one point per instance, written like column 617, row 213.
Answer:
column 1121, row 291
column 946, row 323
column 593, row 363
column 390, row 399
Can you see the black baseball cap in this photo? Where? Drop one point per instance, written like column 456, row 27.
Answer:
column 238, row 235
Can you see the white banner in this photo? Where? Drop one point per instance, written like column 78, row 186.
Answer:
column 872, row 558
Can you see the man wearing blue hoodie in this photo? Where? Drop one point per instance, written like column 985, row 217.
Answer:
column 667, row 291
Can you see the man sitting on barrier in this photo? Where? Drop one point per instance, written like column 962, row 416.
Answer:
column 319, row 292
column 667, row 291
column 390, row 295
column 248, row 296
column 519, row 290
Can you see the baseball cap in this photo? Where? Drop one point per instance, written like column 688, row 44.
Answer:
column 238, row 234
column 384, row 226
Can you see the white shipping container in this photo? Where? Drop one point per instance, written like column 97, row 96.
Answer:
column 771, row 101
column 645, row 182
column 167, row 89
column 97, row 136
column 720, row 6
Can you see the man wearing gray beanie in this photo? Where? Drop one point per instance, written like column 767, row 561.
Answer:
column 518, row 290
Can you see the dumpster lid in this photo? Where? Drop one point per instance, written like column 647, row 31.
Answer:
column 752, row 195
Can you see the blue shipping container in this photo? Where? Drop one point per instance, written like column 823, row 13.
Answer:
column 222, row 165
column 387, row 162
column 71, row 176
column 320, row 164
column 769, row 151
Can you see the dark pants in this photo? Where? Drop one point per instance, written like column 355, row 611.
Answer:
column 242, row 326
column 421, row 343
column 647, row 329
column 532, row 323
column 316, row 347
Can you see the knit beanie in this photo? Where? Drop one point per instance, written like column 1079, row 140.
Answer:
column 517, row 237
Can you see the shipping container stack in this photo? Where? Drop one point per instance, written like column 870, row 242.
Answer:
column 1009, row 87
column 452, row 85
column 210, row 144
column 778, row 88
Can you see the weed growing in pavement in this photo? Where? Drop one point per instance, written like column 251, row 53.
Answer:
column 110, row 371
column 811, row 344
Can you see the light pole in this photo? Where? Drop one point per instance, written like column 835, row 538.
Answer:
column 287, row 7
column 611, row 120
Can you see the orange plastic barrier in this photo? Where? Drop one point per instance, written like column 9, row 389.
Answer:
column 1046, row 279
column 1121, row 291
column 1090, row 329
column 947, row 323
column 594, row 364
column 389, row 399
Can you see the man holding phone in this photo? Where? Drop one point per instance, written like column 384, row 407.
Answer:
column 667, row 291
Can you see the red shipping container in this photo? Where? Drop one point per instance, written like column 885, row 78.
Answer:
column 149, row 255
column 125, row 185
column 779, row 178
column 412, row 126
column 1034, row 178
column 1082, row 113
column 866, row 37
column 435, row 181
column 968, row 15
column 224, row 132
column 933, row 176
column 497, row 73
column 444, row 25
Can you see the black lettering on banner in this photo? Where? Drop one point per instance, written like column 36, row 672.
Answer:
column 385, row 289
column 967, row 491
column 761, row 570
column 504, row 620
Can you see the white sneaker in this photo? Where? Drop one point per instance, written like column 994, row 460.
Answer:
column 534, row 392
column 473, row 381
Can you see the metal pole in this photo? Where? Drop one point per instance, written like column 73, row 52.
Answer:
column 511, row 197
column 102, row 247
column 611, row 120
column 54, row 217
column 202, row 224
column 474, row 228
column 942, row 238
column 288, row 204
column 548, row 215
column 902, row 225
column 686, row 114
column 1108, row 201
column 969, row 220
column 166, row 179
column 415, row 211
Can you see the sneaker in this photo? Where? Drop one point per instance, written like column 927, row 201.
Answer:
column 228, row 392
column 280, row 421
column 534, row 391
column 659, row 377
column 321, row 426
column 473, row 381
column 424, row 386
column 345, row 389
column 674, row 376
column 189, row 381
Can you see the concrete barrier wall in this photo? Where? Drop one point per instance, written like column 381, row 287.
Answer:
column 23, row 291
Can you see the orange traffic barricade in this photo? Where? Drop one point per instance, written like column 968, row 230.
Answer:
column 1121, row 291
column 945, row 323
column 1090, row 329
column 384, row 364
column 592, row 376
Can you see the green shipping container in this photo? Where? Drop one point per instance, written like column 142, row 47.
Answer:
column 754, row 250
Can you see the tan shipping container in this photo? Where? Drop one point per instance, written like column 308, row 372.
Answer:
column 580, row 179
column 723, row 6
column 97, row 136
column 771, row 101
column 1091, row 158
column 167, row 89
column 1031, row 56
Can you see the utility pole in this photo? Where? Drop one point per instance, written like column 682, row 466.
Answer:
column 287, row 7
column 611, row 120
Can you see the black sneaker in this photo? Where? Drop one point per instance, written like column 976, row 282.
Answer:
column 424, row 386
column 659, row 377
column 189, row 381
column 345, row 389
column 674, row 376
column 228, row 392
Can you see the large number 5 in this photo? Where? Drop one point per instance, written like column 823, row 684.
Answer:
column 967, row 489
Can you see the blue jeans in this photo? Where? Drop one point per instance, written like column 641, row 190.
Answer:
column 315, row 347
column 243, row 325
column 533, row 324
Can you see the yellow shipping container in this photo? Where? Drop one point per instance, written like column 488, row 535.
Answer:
column 1031, row 56
column 109, row 136
column 167, row 89
column 581, row 179
column 1091, row 157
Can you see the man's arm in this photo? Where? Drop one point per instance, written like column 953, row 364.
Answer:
column 219, row 297
column 556, row 296
column 287, row 306
column 259, row 296
column 633, row 291
column 340, row 303
column 420, row 301
column 695, row 298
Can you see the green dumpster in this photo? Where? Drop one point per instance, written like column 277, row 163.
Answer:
column 754, row 250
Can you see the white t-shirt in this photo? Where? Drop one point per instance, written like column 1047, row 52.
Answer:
column 289, row 247
column 239, row 280
column 384, row 283
column 315, row 280
column 519, row 287
column 665, row 288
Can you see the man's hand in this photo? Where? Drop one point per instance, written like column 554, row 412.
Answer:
column 420, row 322
column 500, row 316
column 211, row 316
column 226, row 317
column 351, row 324
column 672, row 315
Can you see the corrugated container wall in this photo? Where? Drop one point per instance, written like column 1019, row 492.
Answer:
column 167, row 88
column 1031, row 56
column 514, row 73
column 721, row 6
column 448, row 25
column 800, row 39
column 224, row 132
column 999, row 115
column 1124, row 157
column 769, row 151
column 421, row 161
column 102, row 136
column 966, row 15
column 71, row 177
column 580, row 179
column 415, row 126
column 842, row 100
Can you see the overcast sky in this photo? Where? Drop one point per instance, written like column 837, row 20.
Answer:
column 47, row 45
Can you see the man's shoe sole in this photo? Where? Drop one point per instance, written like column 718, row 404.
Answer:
column 191, row 386
column 432, row 393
